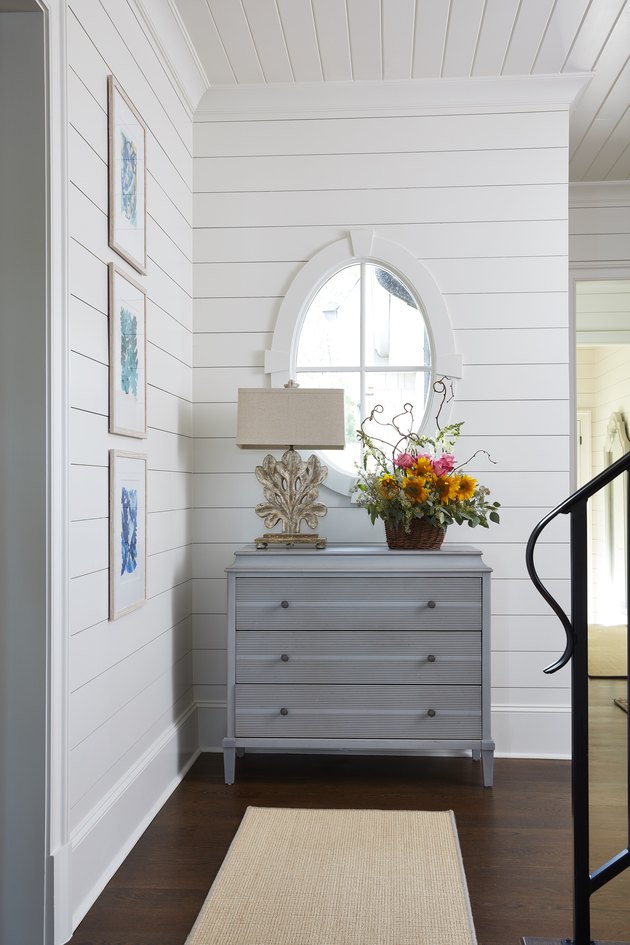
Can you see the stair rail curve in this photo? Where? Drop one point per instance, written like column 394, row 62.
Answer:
column 585, row 882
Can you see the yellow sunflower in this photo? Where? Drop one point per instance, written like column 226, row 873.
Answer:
column 447, row 488
column 466, row 488
column 388, row 486
column 422, row 466
column 415, row 489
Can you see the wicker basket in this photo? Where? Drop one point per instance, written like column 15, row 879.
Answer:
column 423, row 535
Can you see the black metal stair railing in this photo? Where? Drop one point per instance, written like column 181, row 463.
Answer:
column 585, row 882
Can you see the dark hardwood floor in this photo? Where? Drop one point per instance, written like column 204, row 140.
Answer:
column 515, row 838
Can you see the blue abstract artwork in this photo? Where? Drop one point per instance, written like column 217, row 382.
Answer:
column 128, row 352
column 129, row 530
column 129, row 179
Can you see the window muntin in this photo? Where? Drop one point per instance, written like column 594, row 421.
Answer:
column 365, row 331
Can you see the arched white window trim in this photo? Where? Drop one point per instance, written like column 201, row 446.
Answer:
column 361, row 245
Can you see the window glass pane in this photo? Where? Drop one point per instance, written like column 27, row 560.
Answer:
column 395, row 333
column 392, row 391
column 344, row 459
column 331, row 330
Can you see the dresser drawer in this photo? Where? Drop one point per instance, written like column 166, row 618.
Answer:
column 422, row 712
column 362, row 603
column 358, row 656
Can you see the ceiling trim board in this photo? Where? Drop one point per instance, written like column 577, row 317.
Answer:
column 599, row 194
column 166, row 31
column 414, row 96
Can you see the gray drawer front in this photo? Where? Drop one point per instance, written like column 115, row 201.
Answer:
column 360, row 603
column 358, row 711
column 359, row 656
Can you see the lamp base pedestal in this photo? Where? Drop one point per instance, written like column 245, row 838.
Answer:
column 289, row 540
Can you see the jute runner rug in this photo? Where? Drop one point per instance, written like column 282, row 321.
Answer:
column 339, row 877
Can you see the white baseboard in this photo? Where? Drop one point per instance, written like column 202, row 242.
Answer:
column 532, row 731
column 103, row 840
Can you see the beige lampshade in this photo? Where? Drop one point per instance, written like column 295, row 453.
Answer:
column 278, row 417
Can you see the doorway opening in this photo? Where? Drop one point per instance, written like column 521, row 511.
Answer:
column 602, row 323
column 602, row 318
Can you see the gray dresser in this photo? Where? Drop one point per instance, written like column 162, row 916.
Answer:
column 359, row 648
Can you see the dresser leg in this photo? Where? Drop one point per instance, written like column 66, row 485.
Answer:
column 476, row 754
column 229, row 759
column 487, row 766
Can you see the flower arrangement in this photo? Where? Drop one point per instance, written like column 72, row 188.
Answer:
column 419, row 477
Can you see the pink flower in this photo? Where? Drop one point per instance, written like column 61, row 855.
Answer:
column 405, row 460
column 443, row 464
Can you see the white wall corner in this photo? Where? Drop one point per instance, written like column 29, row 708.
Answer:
column 175, row 48
column 212, row 721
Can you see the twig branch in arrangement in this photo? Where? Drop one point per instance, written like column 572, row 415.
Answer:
column 476, row 453
column 440, row 387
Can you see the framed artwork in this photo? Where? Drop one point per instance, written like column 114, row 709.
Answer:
column 127, row 355
column 127, row 178
column 127, row 532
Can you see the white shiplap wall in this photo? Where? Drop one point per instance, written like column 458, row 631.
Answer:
column 132, row 724
column 480, row 197
column 599, row 226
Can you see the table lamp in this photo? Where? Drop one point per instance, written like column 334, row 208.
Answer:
column 290, row 416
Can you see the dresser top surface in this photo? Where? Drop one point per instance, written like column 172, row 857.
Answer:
column 348, row 558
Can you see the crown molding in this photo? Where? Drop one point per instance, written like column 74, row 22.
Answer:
column 405, row 98
column 170, row 40
column 607, row 193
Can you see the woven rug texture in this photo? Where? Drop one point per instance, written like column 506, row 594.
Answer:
column 607, row 651
column 339, row 877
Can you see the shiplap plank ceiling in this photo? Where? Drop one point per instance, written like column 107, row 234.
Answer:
column 268, row 42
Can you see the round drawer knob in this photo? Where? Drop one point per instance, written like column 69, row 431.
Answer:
column 431, row 713
column 431, row 604
column 284, row 658
column 430, row 657
column 284, row 711
column 285, row 604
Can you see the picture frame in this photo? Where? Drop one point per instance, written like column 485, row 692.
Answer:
column 127, row 136
column 127, row 355
column 127, row 532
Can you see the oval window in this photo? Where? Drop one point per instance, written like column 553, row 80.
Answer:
column 366, row 331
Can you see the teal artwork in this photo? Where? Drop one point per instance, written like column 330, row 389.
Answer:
column 128, row 352
column 129, row 179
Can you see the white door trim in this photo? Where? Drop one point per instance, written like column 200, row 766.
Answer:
column 58, row 884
